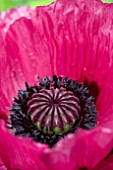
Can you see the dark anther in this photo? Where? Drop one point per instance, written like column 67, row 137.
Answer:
column 49, row 111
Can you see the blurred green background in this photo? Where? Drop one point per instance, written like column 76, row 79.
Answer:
column 6, row 4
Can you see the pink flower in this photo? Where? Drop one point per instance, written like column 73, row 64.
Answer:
column 72, row 38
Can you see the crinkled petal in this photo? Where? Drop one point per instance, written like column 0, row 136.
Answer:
column 83, row 39
column 30, row 51
column 9, row 16
column 19, row 153
column 84, row 149
column 27, row 58
column 7, row 89
column 67, row 38
column 3, row 102
column 6, row 19
column 82, row 43
column 107, row 163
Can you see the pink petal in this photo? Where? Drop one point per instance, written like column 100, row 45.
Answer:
column 107, row 163
column 20, row 55
column 29, row 48
column 81, row 34
column 6, row 19
column 81, row 41
column 83, row 44
column 19, row 153
column 3, row 101
column 9, row 16
column 7, row 89
column 83, row 149
column 62, row 44
column 2, row 166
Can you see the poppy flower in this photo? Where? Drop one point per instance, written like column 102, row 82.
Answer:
column 65, row 119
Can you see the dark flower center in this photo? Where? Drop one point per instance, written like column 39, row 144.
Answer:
column 52, row 109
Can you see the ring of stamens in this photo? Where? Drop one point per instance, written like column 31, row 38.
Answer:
column 49, row 111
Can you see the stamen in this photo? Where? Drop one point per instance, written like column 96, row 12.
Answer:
column 52, row 109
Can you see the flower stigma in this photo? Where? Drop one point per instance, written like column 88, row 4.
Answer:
column 54, row 110
column 49, row 111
